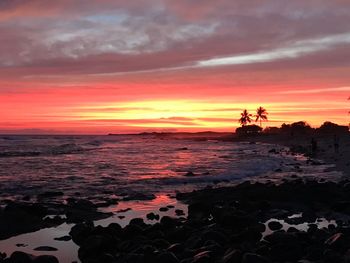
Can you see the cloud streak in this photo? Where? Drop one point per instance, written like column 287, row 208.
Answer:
column 314, row 91
column 68, row 61
column 292, row 51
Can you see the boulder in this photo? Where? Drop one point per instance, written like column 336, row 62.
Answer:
column 254, row 258
column 45, row 259
column 275, row 225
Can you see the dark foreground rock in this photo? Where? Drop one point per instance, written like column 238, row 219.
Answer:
column 225, row 225
column 18, row 218
column 23, row 217
column 21, row 257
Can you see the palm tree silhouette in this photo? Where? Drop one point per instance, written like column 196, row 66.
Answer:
column 261, row 114
column 245, row 118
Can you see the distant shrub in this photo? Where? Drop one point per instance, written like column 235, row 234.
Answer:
column 272, row 130
column 297, row 128
column 332, row 128
column 248, row 130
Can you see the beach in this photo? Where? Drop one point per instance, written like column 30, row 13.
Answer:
column 325, row 147
column 225, row 219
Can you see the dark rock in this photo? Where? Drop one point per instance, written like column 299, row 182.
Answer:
column 312, row 228
column 281, row 237
column 250, row 234
column 189, row 174
column 55, row 221
column 168, row 222
column 331, row 256
column 338, row 240
column 124, row 210
column 63, row 238
column 80, row 232
column 176, row 248
column 163, row 209
column 78, row 216
column 2, row 256
column 152, row 216
column 115, row 229
column 45, row 248
column 161, row 243
column 203, row 257
column 21, row 245
column 26, row 198
column 80, row 210
column 254, row 258
column 232, row 256
column 223, row 226
column 167, row 257
column 292, row 230
column 331, row 227
column 137, row 221
column 132, row 230
column 179, row 212
column 50, row 194
column 96, row 246
column 139, row 196
column 21, row 257
column 275, row 225
column 216, row 236
column 12, row 223
column 282, row 252
column 45, row 259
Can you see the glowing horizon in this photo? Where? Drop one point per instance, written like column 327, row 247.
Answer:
column 120, row 67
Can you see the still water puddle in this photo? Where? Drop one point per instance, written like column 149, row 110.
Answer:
column 320, row 222
column 68, row 250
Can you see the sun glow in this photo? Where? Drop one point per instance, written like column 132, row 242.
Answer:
column 165, row 113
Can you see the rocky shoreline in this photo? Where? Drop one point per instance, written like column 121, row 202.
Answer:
column 228, row 225
column 248, row 223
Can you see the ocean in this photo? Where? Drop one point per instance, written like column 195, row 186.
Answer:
column 131, row 165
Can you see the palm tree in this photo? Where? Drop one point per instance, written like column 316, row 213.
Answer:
column 245, row 118
column 261, row 114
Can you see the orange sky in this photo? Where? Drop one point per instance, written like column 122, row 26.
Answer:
column 114, row 66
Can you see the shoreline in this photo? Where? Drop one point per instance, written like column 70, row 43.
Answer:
column 191, row 197
column 302, row 145
column 229, row 224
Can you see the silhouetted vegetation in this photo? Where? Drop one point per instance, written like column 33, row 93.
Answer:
column 249, row 130
column 245, row 118
column 296, row 128
column 331, row 128
column 261, row 115
column 272, row 130
column 300, row 128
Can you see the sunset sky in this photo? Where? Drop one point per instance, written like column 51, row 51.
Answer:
column 77, row 66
